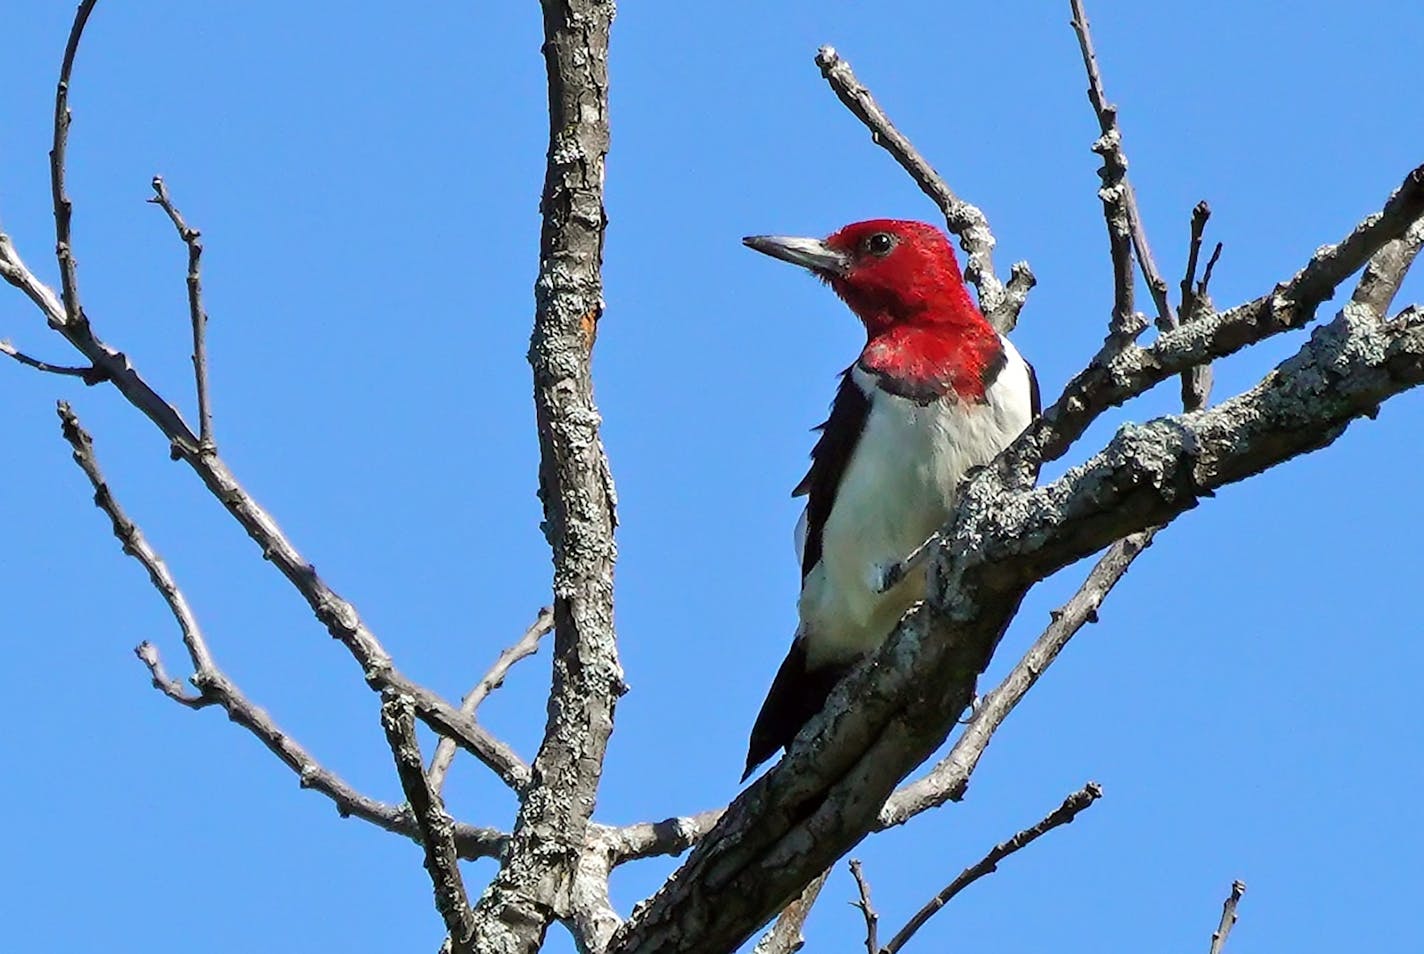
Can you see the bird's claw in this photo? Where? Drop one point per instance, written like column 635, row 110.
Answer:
column 884, row 576
column 975, row 705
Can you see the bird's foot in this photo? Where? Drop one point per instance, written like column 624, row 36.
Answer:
column 885, row 576
column 975, row 705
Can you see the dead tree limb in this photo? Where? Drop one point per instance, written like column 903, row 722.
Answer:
column 576, row 487
column 197, row 314
column 1228, row 917
column 215, row 688
column 527, row 646
column 1072, row 806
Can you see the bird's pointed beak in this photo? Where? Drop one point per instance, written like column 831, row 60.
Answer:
column 810, row 253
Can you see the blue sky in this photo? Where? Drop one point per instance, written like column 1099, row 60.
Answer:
column 367, row 183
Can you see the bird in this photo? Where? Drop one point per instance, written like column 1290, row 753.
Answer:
column 935, row 393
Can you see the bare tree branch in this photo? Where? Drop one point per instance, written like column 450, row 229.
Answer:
column 437, row 829
column 198, row 315
column 527, row 646
column 1228, row 917
column 1062, row 815
column 867, row 910
column 1196, row 382
column 163, row 682
column 592, row 919
column 14, row 270
column 1115, row 165
column 134, row 542
column 1000, row 303
column 337, row 614
column 63, row 208
column 1386, row 270
column 88, row 375
column 471, row 841
column 1120, row 202
column 576, row 487
column 1201, row 212
column 671, row 836
column 785, row 936
column 216, row 689
column 1111, row 381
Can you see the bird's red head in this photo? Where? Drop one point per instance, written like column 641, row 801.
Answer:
column 923, row 331
column 889, row 271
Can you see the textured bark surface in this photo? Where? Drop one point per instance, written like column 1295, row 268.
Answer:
column 534, row 885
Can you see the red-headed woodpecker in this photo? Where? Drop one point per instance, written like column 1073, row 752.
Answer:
column 935, row 392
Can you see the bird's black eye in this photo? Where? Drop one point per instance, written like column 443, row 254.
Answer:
column 880, row 244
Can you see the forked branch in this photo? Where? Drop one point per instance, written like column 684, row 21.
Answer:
column 527, row 646
column 198, row 316
column 216, row 689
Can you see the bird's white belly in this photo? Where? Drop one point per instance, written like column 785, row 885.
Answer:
column 897, row 489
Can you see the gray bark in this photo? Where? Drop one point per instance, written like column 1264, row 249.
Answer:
column 534, row 885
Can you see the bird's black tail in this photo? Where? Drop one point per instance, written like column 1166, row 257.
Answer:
column 797, row 693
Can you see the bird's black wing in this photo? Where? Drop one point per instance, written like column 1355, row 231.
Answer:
column 1035, row 401
column 797, row 693
column 839, row 436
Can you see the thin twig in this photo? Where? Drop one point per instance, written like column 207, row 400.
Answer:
column 472, row 841
column 90, row 375
column 1120, row 206
column 1196, row 383
column 1201, row 212
column 1210, row 267
column 1111, row 150
column 527, row 646
column 1062, row 815
column 63, row 208
column 166, row 684
column 867, row 910
column 949, row 779
column 134, row 542
column 785, row 936
column 214, row 687
column 192, row 238
column 1228, row 917
column 437, row 834
column 1000, row 303
column 339, row 616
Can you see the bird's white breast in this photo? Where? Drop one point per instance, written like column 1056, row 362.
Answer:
column 897, row 489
